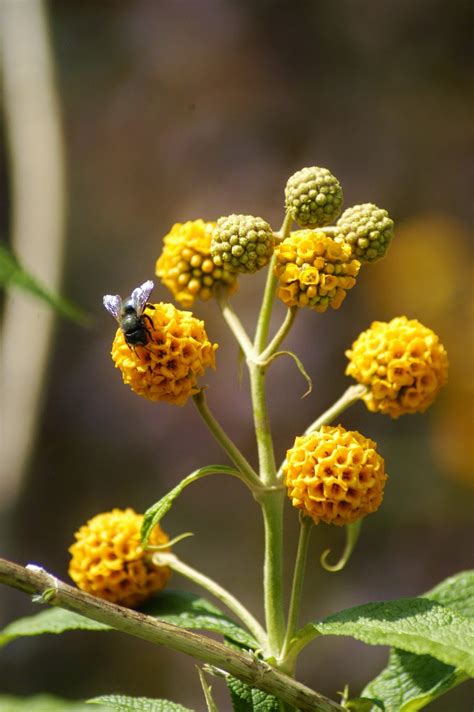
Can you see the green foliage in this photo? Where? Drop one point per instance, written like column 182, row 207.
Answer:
column 12, row 274
column 55, row 620
column 157, row 511
column 195, row 613
column 410, row 682
column 416, row 625
column 178, row 607
column 249, row 699
column 121, row 703
column 44, row 703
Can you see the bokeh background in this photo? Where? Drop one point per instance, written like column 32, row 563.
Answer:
column 174, row 110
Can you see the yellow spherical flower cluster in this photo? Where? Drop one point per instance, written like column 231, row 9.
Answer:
column 185, row 265
column 109, row 562
column 314, row 271
column 403, row 364
column 177, row 352
column 335, row 475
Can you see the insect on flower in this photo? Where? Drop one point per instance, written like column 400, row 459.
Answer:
column 129, row 313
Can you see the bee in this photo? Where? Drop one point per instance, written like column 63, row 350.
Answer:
column 129, row 314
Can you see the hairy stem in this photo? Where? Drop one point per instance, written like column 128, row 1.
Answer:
column 272, row 508
column 280, row 335
column 165, row 558
column 241, row 664
column 306, row 527
column 239, row 460
column 236, row 327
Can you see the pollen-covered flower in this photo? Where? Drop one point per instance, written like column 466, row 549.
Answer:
column 109, row 562
column 176, row 354
column 367, row 229
column 403, row 364
column 335, row 475
column 185, row 265
column 242, row 243
column 313, row 197
column 314, row 271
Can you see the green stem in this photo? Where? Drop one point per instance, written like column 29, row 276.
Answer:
column 236, row 327
column 266, row 455
column 232, row 603
column 306, row 527
column 261, row 334
column 246, row 666
column 348, row 398
column 226, row 443
column 280, row 335
column 272, row 508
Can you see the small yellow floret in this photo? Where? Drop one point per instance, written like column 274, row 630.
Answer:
column 109, row 562
column 185, row 265
column 403, row 364
column 335, row 475
column 177, row 353
column 314, row 271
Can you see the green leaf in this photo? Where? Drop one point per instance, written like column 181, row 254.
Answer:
column 195, row 613
column 249, row 699
column 410, row 682
column 416, row 625
column 12, row 274
column 43, row 703
column 179, row 607
column 456, row 592
column 157, row 511
column 121, row 703
column 55, row 620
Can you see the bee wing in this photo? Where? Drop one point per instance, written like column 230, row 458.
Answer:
column 113, row 304
column 140, row 296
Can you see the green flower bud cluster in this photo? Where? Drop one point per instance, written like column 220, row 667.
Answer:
column 367, row 229
column 313, row 197
column 242, row 243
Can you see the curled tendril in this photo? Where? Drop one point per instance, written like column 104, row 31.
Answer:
column 166, row 545
column 299, row 365
column 352, row 535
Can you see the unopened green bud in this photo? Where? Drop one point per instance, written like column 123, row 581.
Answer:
column 367, row 229
column 242, row 243
column 313, row 197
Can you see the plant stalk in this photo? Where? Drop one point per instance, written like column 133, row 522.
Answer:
column 246, row 667
column 166, row 558
column 239, row 460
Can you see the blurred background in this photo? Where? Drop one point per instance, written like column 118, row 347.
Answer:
column 174, row 110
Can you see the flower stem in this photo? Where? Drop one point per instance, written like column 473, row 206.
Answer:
column 232, row 603
column 280, row 335
column 236, row 327
column 239, row 460
column 272, row 509
column 306, row 527
column 348, row 398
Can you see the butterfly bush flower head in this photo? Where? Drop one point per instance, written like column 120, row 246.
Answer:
column 242, row 243
column 108, row 560
column 335, row 475
column 402, row 363
column 314, row 271
column 185, row 265
column 313, row 197
column 367, row 229
column 178, row 351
